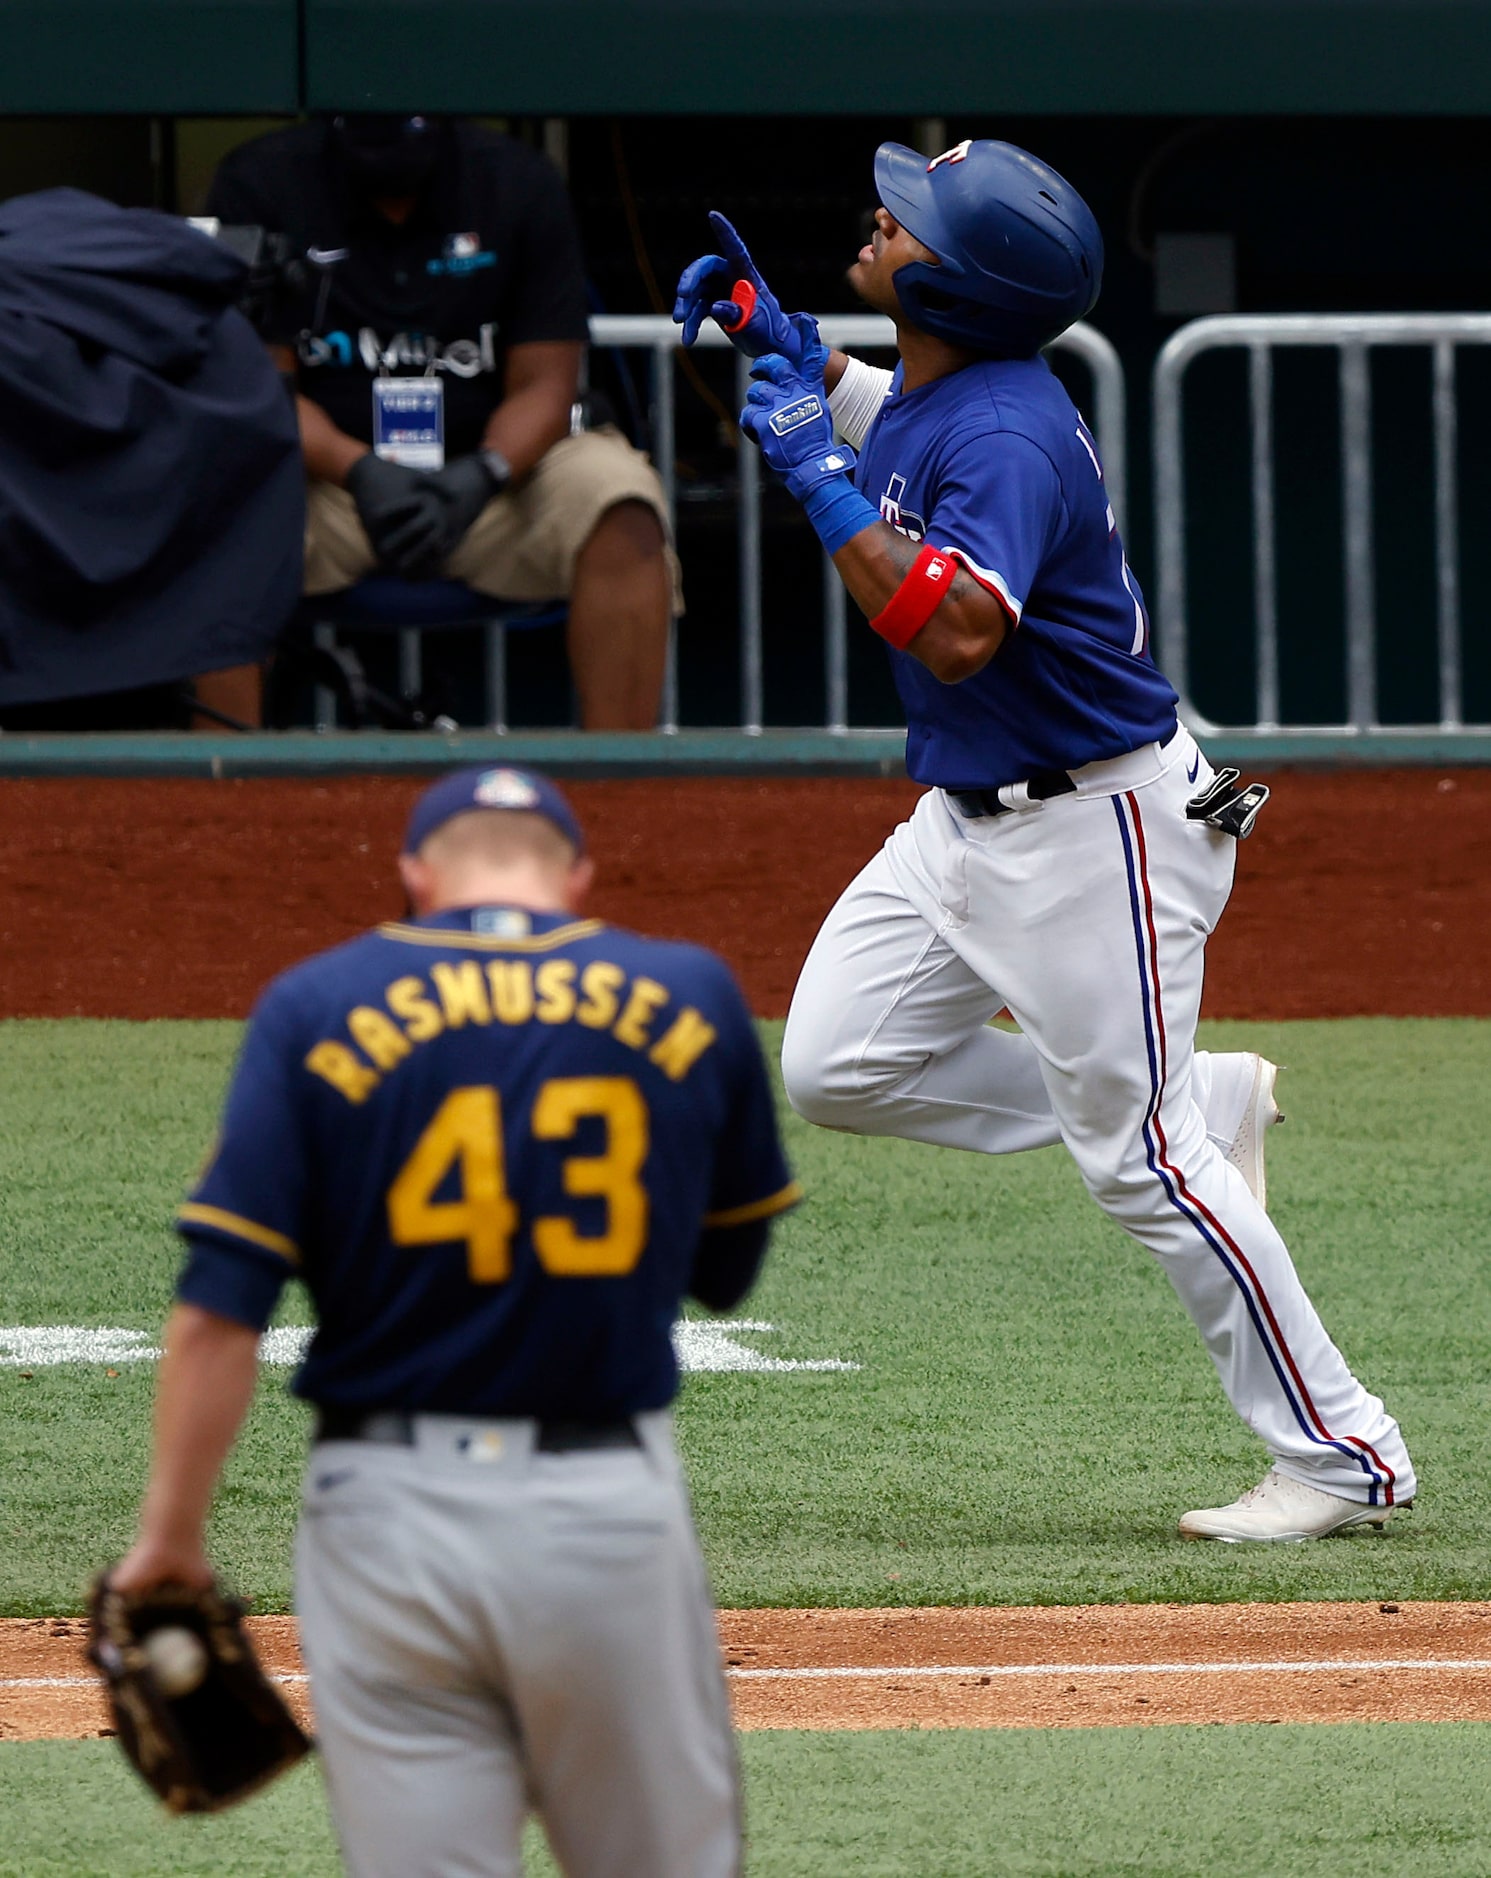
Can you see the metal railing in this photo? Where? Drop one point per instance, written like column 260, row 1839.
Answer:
column 657, row 335
column 864, row 332
column 1352, row 336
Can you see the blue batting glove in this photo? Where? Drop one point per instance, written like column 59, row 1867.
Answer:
column 787, row 414
column 705, row 288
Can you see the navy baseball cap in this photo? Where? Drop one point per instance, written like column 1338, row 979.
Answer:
column 470, row 789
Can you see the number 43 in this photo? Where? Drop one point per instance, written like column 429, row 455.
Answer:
column 466, row 1133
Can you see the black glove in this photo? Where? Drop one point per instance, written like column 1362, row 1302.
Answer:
column 205, row 1746
column 466, row 485
column 403, row 514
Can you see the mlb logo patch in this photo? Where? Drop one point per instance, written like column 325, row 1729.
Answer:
column 506, row 789
column 461, row 254
column 501, row 922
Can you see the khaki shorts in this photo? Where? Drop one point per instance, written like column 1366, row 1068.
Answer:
column 523, row 545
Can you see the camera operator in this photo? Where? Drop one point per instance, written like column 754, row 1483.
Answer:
column 152, row 506
column 446, row 254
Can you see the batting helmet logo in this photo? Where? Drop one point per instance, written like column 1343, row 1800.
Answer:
column 957, row 154
column 1019, row 255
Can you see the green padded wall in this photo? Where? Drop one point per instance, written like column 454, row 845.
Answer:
column 1150, row 57
column 162, row 56
column 795, row 56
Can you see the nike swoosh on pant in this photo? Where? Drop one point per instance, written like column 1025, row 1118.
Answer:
column 1192, row 772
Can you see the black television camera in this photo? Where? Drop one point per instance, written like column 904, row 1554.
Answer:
column 275, row 269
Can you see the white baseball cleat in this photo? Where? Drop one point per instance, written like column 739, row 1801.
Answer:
column 1240, row 1111
column 1281, row 1511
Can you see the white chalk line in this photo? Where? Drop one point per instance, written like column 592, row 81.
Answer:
column 1000, row 1671
column 703, row 1348
column 92, row 1682
column 992, row 1671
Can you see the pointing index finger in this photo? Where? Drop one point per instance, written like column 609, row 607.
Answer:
column 734, row 247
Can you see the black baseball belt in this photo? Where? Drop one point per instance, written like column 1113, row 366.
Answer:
column 396, row 1428
column 1227, row 802
column 1040, row 787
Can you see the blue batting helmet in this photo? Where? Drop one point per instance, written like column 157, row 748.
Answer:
column 1020, row 255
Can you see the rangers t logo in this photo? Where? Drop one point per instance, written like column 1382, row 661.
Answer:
column 893, row 509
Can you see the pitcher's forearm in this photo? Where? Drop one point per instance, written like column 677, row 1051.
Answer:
column 206, row 1383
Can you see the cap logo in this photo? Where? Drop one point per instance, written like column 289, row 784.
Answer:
column 956, row 155
column 505, row 789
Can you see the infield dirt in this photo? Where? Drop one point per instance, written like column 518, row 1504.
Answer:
column 1362, row 893
column 1073, row 1667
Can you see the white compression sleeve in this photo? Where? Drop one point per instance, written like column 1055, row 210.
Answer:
column 856, row 398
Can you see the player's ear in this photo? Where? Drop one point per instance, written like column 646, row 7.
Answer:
column 418, row 880
column 578, row 882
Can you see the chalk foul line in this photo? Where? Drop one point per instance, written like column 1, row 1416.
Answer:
column 703, row 1348
column 1000, row 1671
column 990, row 1671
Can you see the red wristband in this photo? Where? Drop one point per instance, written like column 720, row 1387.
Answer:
column 917, row 598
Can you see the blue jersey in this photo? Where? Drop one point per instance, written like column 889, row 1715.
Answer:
column 994, row 464
column 487, row 1141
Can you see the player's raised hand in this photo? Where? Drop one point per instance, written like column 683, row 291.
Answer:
column 728, row 287
column 788, row 416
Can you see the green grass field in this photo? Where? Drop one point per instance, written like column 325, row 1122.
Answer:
column 1255, row 1802
column 1030, row 1413
column 1032, row 1409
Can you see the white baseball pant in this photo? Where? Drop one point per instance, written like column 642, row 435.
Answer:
column 491, row 1629
column 1087, row 915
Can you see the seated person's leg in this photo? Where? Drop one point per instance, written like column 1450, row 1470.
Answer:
column 338, row 553
column 619, row 605
column 238, row 692
column 588, row 525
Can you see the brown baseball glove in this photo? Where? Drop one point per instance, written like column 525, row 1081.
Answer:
column 196, row 1715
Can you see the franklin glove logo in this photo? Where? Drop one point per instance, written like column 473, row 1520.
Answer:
column 793, row 416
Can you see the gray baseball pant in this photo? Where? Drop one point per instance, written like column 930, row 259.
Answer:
column 491, row 1629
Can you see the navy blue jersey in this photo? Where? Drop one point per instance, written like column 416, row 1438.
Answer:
column 487, row 1141
column 994, row 464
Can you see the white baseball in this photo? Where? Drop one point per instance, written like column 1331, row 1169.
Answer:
column 177, row 1658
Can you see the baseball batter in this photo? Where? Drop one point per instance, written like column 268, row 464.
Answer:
column 498, row 1143
column 1074, row 848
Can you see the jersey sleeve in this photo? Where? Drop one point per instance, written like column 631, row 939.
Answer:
column 751, row 1177
column 856, row 400
column 243, row 1221
column 548, row 300
column 998, row 509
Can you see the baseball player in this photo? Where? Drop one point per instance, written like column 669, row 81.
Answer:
column 1074, row 849
column 498, row 1143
